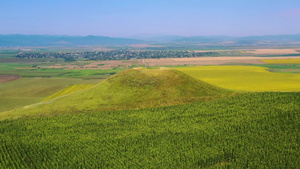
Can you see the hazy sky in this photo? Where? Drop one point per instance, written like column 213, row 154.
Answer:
column 159, row 17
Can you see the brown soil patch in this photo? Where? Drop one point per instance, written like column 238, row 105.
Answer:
column 7, row 78
column 274, row 51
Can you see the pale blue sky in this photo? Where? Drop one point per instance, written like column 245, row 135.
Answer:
column 159, row 17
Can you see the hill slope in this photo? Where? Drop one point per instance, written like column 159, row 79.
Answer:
column 130, row 89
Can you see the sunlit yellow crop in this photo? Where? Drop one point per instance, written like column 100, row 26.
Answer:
column 68, row 90
column 282, row 61
column 250, row 78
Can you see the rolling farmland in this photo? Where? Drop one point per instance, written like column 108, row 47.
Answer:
column 150, row 84
column 75, row 115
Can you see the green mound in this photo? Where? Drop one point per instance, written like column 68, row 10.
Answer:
column 130, row 89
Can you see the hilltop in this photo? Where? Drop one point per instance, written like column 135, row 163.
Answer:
column 129, row 89
column 63, row 40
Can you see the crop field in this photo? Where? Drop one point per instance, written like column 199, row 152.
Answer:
column 282, row 61
column 248, row 78
column 68, row 90
column 253, row 130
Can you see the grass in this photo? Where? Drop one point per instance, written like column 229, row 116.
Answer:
column 247, row 78
column 130, row 89
column 25, row 91
column 282, row 61
column 253, row 130
column 68, row 90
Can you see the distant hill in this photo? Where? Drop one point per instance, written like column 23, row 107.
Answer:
column 129, row 89
column 62, row 40
column 267, row 39
column 55, row 40
column 157, row 38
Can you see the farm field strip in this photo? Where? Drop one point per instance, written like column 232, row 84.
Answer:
column 248, row 78
column 282, row 61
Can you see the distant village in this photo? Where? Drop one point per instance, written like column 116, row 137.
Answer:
column 116, row 55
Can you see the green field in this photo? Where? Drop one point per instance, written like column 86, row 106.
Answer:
column 27, row 70
column 254, row 130
column 247, row 78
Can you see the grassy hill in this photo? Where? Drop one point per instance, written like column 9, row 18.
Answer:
column 252, row 130
column 130, row 89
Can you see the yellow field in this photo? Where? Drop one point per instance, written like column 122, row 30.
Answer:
column 282, row 61
column 250, row 78
column 68, row 90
